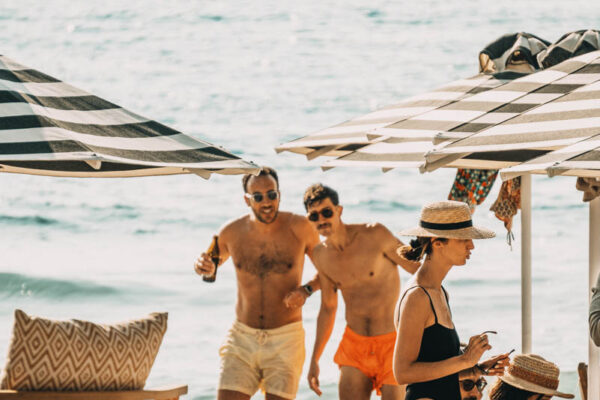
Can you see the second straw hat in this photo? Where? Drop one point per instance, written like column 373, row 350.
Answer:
column 533, row 373
column 448, row 219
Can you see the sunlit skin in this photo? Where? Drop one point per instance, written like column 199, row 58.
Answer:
column 267, row 247
column 415, row 315
column 361, row 261
column 455, row 251
column 266, row 211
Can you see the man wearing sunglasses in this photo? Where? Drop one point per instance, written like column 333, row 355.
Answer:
column 361, row 261
column 265, row 347
column 472, row 389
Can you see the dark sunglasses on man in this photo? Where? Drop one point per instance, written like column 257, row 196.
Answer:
column 469, row 384
column 326, row 213
column 258, row 197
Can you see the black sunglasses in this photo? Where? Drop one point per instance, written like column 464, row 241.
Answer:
column 326, row 213
column 469, row 384
column 258, row 197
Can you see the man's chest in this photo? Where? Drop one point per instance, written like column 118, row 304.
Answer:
column 261, row 255
column 353, row 265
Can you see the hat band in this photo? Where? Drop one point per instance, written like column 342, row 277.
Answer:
column 532, row 377
column 446, row 227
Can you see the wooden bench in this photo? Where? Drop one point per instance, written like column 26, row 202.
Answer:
column 164, row 393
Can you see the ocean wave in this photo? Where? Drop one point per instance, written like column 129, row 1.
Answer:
column 382, row 205
column 145, row 232
column 215, row 18
column 18, row 285
column 469, row 282
column 560, row 207
column 28, row 220
column 113, row 212
column 38, row 221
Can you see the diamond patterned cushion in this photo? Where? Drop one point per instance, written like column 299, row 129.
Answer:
column 79, row 355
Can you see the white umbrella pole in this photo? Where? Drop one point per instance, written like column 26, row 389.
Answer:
column 594, row 269
column 526, row 264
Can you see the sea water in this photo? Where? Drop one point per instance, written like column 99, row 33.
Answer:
column 249, row 75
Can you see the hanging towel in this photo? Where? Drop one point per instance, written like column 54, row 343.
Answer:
column 472, row 186
column 507, row 204
column 590, row 188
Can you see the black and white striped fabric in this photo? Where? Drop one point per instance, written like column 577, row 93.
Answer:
column 570, row 45
column 352, row 135
column 579, row 159
column 48, row 127
column 404, row 144
column 552, row 108
column 503, row 50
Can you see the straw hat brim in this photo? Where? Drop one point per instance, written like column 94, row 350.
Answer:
column 471, row 232
column 532, row 387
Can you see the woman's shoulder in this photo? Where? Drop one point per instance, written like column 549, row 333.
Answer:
column 413, row 304
column 414, row 295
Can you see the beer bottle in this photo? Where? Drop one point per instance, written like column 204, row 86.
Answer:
column 213, row 253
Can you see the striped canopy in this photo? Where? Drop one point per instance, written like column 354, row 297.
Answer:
column 48, row 127
column 560, row 106
column 347, row 137
column 580, row 159
column 404, row 143
column 400, row 135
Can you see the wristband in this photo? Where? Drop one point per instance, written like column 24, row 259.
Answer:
column 308, row 289
column 481, row 369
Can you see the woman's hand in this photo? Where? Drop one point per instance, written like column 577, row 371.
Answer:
column 478, row 344
column 495, row 365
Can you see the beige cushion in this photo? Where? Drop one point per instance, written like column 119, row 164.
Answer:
column 78, row 355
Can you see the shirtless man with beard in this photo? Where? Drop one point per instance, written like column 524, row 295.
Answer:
column 265, row 346
column 361, row 261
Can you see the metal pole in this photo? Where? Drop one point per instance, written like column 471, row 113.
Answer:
column 526, row 264
column 594, row 270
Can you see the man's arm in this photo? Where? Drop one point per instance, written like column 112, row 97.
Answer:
column 204, row 264
column 325, row 323
column 306, row 232
column 595, row 314
column 311, row 242
column 391, row 244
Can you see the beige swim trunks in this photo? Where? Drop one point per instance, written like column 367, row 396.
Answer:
column 267, row 359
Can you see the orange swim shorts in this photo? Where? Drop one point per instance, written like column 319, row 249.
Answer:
column 372, row 355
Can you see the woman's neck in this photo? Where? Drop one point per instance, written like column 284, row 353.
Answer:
column 432, row 272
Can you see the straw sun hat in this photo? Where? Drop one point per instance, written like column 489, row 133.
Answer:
column 532, row 373
column 448, row 219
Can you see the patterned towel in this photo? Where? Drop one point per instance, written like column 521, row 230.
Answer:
column 472, row 186
column 589, row 186
column 512, row 49
column 507, row 204
column 570, row 45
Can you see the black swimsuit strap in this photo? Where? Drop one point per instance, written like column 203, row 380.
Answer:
column 429, row 297
column 447, row 301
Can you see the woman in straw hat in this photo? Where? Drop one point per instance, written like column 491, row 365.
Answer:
column 529, row 377
column 427, row 355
